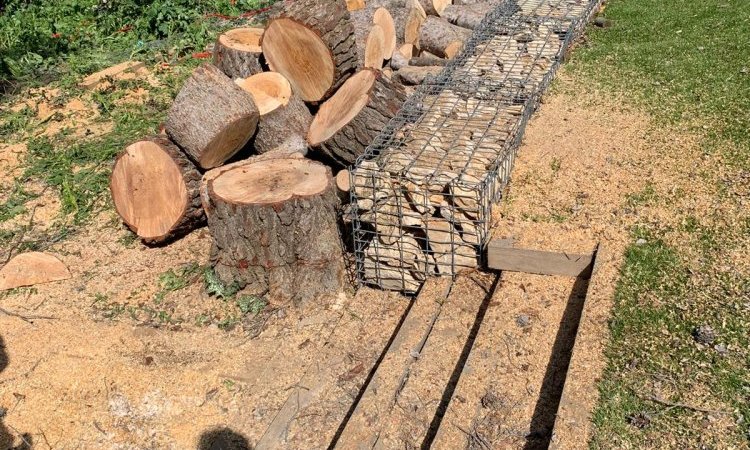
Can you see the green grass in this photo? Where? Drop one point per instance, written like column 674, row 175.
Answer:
column 49, row 39
column 685, row 62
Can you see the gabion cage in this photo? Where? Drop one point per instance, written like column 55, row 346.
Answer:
column 422, row 194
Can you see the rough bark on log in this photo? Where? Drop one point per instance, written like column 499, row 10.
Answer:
column 349, row 121
column 284, row 118
column 407, row 17
column 423, row 61
column 468, row 16
column 441, row 38
column 416, row 75
column 155, row 189
column 212, row 118
column 434, row 7
column 399, row 61
column 274, row 228
column 237, row 52
column 311, row 43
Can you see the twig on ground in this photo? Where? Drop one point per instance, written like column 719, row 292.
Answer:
column 29, row 319
column 661, row 401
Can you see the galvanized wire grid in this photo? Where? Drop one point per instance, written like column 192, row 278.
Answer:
column 422, row 194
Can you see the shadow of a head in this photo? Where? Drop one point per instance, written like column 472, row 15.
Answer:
column 223, row 439
column 3, row 355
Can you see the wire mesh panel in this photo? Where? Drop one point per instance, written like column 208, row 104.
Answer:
column 422, row 194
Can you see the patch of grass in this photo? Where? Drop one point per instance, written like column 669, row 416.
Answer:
column 686, row 63
column 174, row 280
column 685, row 60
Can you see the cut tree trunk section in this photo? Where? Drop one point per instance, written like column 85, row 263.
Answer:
column 284, row 118
column 349, row 121
column 364, row 20
column 155, row 189
column 311, row 43
column 274, row 226
column 212, row 118
column 237, row 52
column 354, row 5
column 441, row 38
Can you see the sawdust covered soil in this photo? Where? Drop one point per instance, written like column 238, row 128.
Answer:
column 86, row 380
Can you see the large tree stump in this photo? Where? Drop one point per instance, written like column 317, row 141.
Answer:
column 350, row 120
column 212, row 118
column 155, row 189
column 441, row 38
column 237, row 52
column 311, row 43
column 284, row 118
column 274, row 228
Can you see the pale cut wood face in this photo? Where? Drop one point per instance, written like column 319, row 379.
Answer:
column 383, row 18
column 301, row 56
column 228, row 142
column 340, row 109
column 244, row 39
column 375, row 48
column 148, row 189
column 270, row 90
column 272, row 181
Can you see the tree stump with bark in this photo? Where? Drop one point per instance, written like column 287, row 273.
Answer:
column 350, row 120
column 237, row 52
column 274, row 228
column 156, row 190
column 212, row 118
column 311, row 43
column 284, row 118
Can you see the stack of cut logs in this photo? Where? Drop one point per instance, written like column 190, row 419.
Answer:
column 321, row 80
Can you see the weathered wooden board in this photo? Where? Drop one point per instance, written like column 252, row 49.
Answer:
column 502, row 257
column 572, row 415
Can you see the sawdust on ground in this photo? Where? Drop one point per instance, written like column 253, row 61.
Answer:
column 86, row 380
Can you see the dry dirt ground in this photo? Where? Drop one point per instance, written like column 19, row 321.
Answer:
column 95, row 374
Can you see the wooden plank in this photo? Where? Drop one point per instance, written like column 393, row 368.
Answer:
column 573, row 415
column 502, row 257
column 363, row 429
column 318, row 403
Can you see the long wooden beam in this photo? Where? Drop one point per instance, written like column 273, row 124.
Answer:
column 501, row 256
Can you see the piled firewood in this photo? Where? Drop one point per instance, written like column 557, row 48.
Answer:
column 320, row 81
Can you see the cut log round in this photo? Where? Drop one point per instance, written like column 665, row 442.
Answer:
column 407, row 17
column 274, row 227
column 441, row 38
column 155, row 189
column 383, row 18
column 434, row 7
column 212, row 118
column 468, row 16
column 311, row 43
column 348, row 122
column 284, row 118
column 237, row 52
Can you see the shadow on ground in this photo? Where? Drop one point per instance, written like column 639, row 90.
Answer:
column 223, row 439
column 6, row 438
column 545, row 411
